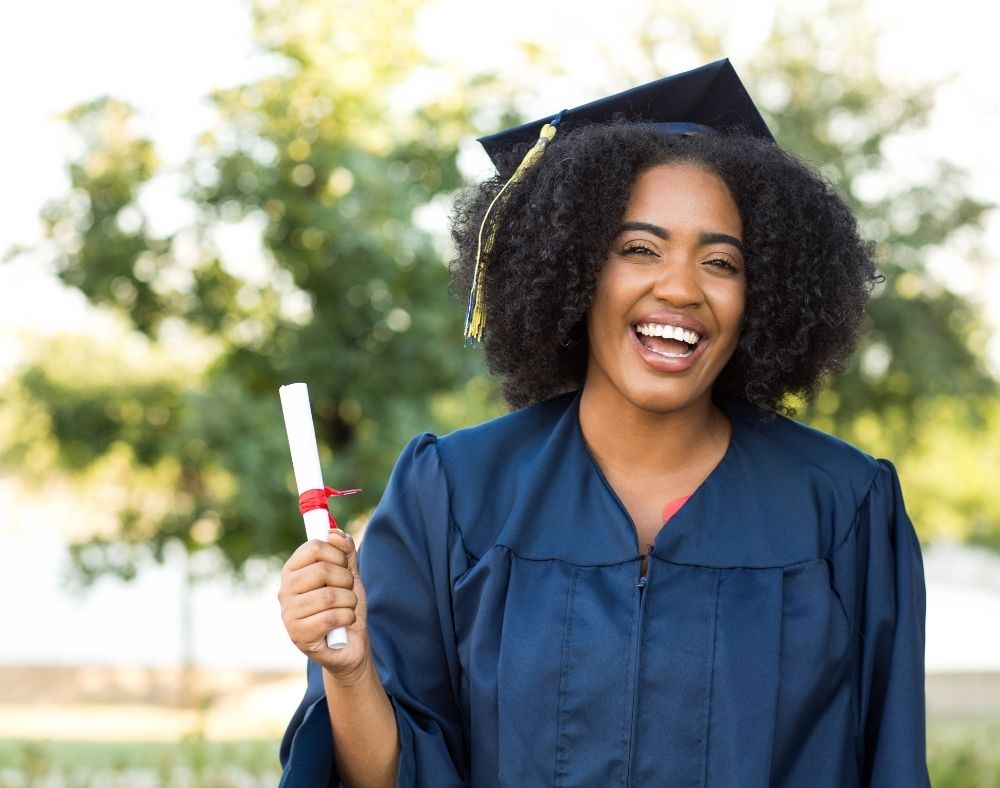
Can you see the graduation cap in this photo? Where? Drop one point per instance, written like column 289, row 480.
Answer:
column 707, row 99
column 710, row 99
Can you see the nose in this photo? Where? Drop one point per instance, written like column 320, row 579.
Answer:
column 677, row 282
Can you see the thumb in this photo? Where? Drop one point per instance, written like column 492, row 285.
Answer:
column 345, row 543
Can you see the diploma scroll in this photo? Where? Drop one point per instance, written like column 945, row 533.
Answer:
column 308, row 476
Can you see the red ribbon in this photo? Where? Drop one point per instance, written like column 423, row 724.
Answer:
column 311, row 500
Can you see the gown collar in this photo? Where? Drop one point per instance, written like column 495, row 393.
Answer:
column 712, row 507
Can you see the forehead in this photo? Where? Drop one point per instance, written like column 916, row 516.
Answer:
column 683, row 193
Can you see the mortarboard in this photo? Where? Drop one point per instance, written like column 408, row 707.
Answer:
column 706, row 100
column 710, row 96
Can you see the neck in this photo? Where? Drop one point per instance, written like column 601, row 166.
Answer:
column 650, row 444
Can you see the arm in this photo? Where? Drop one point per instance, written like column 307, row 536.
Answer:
column 366, row 740
column 321, row 589
column 410, row 559
column 408, row 563
column 889, row 609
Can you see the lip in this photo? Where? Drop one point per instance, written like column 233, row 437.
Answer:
column 663, row 363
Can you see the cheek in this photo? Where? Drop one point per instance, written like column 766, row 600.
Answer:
column 739, row 314
column 617, row 287
column 738, row 329
column 601, row 305
column 733, row 307
column 729, row 308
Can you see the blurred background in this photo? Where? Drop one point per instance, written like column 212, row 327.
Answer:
column 202, row 201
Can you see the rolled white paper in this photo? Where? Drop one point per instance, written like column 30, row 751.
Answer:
column 308, row 476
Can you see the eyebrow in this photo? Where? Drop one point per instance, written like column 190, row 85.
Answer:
column 704, row 239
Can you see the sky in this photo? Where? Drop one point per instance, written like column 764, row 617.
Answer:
column 165, row 58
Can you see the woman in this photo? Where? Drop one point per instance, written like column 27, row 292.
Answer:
column 644, row 575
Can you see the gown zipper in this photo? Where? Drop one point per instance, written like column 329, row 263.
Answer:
column 641, row 584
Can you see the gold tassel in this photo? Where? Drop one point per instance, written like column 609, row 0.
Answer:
column 475, row 317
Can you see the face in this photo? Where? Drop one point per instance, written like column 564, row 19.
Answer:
column 669, row 301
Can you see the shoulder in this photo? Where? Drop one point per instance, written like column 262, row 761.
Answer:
column 495, row 443
column 783, row 448
column 513, row 471
column 467, row 475
column 784, row 494
column 476, row 474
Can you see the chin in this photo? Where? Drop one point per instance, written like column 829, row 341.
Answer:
column 663, row 397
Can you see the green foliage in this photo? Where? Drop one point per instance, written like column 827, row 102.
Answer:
column 194, row 763
column 836, row 112
column 327, row 161
column 918, row 390
column 348, row 293
column 962, row 753
column 100, row 233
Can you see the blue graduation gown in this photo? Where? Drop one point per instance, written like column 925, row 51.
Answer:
column 776, row 639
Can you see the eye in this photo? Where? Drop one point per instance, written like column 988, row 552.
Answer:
column 636, row 249
column 723, row 264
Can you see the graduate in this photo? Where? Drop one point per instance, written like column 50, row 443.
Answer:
column 646, row 574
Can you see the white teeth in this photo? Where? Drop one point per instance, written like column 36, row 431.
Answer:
column 668, row 332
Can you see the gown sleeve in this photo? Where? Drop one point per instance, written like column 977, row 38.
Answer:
column 407, row 561
column 881, row 580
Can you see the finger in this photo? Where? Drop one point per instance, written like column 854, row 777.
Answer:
column 351, row 553
column 313, row 576
column 343, row 541
column 312, row 551
column 309, row 633
column 326, row 598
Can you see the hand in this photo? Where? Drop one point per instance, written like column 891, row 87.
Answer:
column 320, row 589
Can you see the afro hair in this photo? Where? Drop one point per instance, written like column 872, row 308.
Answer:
column 809, row 273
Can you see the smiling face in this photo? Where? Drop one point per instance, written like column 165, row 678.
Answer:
column 669, row 301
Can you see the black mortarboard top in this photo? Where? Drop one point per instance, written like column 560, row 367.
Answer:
column 706, row 100
column 711, row 95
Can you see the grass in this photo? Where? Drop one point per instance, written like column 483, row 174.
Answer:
column 187, row 764
column 962, row 753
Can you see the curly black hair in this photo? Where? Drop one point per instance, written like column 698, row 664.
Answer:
column 809, row 273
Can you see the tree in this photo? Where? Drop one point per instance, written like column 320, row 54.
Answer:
column 919, row 390
column 350, row 294
column 838, row 113
column 919, row 379
column 328, row 161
